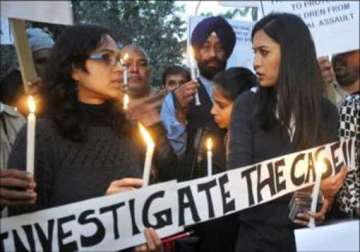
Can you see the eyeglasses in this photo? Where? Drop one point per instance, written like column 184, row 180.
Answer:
column 109, row 59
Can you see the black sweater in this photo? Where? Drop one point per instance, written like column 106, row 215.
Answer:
column 68, row 171
column 249, row 144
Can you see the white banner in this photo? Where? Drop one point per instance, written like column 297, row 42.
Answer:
column 116, row 222
column 242, row 54
column 56, row 12
column 334, row 24
column 106, row 223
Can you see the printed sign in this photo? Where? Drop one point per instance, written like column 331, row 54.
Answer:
column 116, row 222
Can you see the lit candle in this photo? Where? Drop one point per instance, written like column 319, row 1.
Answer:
column 193, row 73
column 126, row 100
column 125, row 82
column 125, row 71
column 150, row 146
column 209, row 145
column 320, row 168
column 30, row 148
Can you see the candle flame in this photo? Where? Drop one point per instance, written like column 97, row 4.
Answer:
column 31, row 104
column 209, row 144
column 126, row 100
column 320, row 164
column 146, row 135
column 123, row 59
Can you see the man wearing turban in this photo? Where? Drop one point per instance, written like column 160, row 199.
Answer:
column 213, row 41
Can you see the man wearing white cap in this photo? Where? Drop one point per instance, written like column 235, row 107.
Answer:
column 40, row 43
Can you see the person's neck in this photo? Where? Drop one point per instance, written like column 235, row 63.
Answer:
column 90, row 100
column 141, row 95
column 201, row 77
column 353, row 88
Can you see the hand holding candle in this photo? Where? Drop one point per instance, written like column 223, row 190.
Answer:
column 319, row 169
column 150, row 146
column 193, row 73
column 30, row 148
column 209, row 145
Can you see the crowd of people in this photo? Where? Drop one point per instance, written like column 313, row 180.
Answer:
column 87, row 141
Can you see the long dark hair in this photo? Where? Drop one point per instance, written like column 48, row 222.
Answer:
column 234, row 81
column 71, row 50
column 300, row 85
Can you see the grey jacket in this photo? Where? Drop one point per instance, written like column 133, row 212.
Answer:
column 10, row 123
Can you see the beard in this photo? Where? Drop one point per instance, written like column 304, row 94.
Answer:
column 346, row 75
column 210, row 71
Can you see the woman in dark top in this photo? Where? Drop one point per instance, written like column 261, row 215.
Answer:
column 228, row 85
column 287, row 113
column 85, row 148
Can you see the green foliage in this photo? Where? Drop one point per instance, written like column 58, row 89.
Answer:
column 154, row 25
column 241, row 12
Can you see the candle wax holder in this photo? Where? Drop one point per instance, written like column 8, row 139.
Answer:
column 301, row 203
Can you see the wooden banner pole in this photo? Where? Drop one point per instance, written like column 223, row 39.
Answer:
column 23, row 53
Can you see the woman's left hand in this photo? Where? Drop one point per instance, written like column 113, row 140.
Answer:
column 153, row 242
column 331, row 185
column 303, row 218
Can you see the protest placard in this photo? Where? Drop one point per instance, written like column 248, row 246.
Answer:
column 343, row 236
column 334, row 25
column 55, row 12
column 116, row 222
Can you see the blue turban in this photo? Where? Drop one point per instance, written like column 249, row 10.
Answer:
column 222, row 29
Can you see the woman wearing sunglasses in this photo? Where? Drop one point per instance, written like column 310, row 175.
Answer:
column 85, row 147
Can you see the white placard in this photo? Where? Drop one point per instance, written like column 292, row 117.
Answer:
column 242, row 54
column 336, row 237
column 334, row 24
column 56, row 12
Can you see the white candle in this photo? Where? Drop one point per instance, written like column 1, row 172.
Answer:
column 209, row 145
column 126, row 100
column 125, row 82
column 125, row 71
column 193, row 73
column 150, row 147
column 320, row 167
column 30, row 148
column 125, row 76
